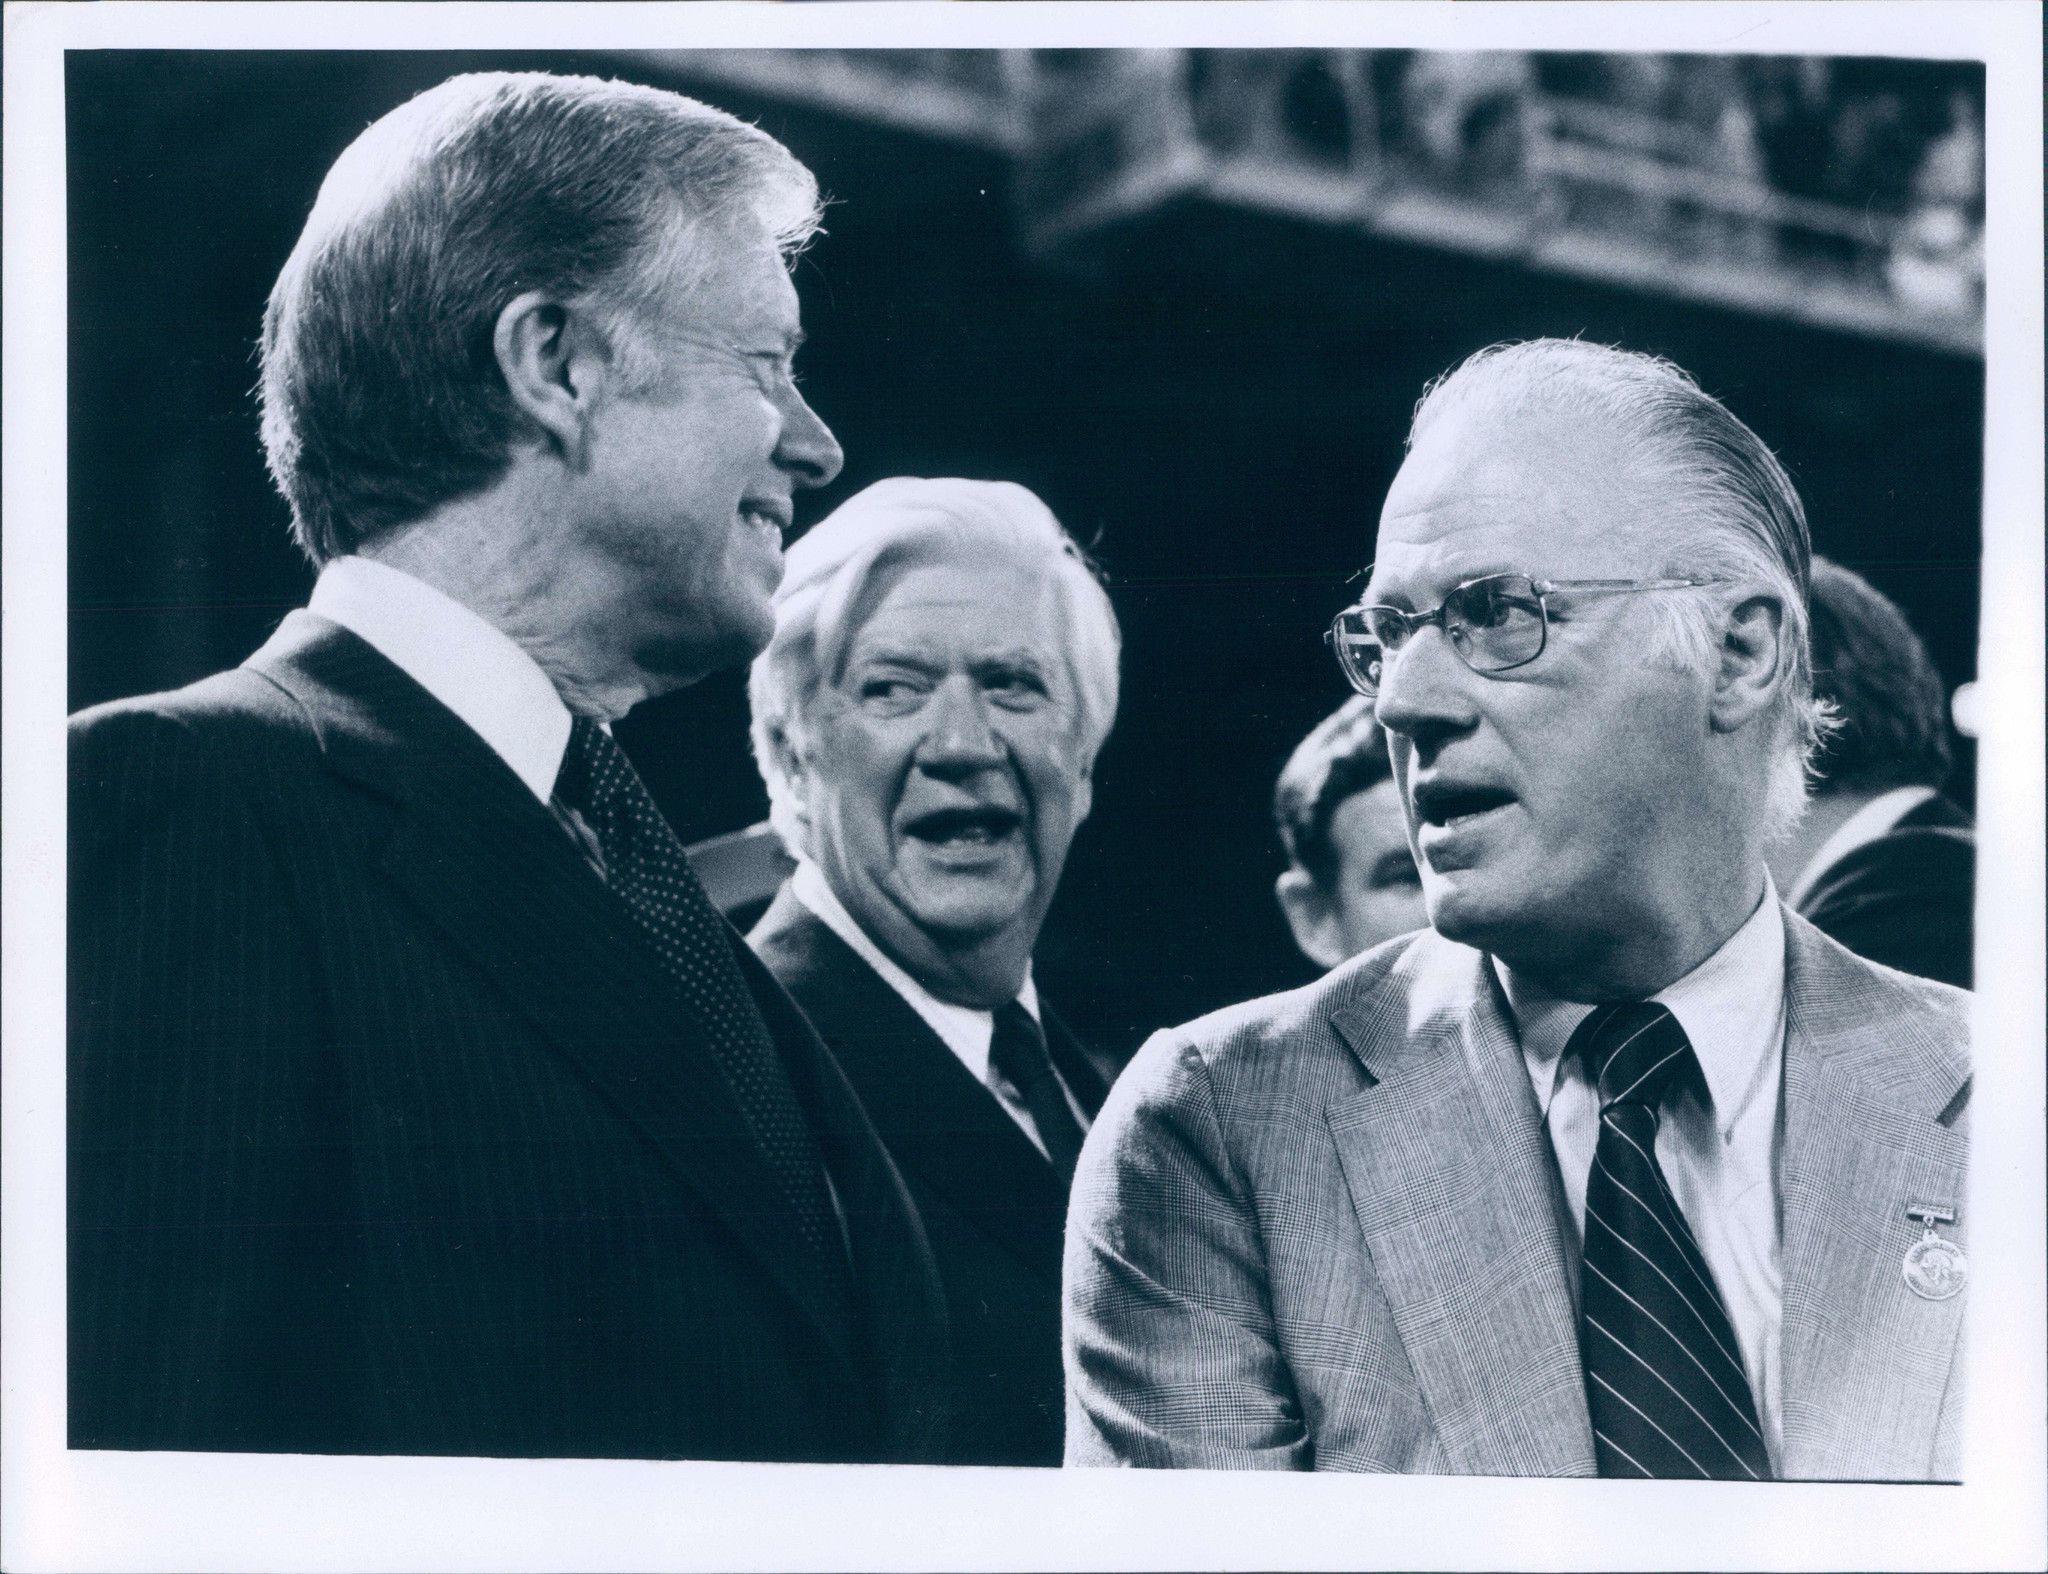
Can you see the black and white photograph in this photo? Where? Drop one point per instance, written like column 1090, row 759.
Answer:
column 912, row 786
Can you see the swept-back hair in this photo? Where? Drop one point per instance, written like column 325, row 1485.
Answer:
column 382, row 396
column 1732, row 511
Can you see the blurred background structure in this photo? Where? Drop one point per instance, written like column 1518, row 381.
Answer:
column 1189, row 297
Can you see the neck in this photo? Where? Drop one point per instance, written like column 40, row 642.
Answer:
column 1637, row 962
column 500, row 555
column 1826, row 813
column 983, row 976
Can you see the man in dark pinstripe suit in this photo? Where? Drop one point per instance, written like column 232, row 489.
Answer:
column 417, row 1103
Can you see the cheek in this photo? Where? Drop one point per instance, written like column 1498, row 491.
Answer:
column 864, row 775
column 1051, row 770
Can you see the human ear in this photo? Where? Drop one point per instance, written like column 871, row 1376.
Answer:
column 1755, row 661
column 793, row 769
column 1084, row 795
column 554, row 366
column 1311, row 917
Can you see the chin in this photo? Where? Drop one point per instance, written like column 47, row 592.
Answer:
column 1473, row 912
column 964, row 923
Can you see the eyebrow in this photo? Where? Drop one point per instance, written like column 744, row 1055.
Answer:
column 1487, row 568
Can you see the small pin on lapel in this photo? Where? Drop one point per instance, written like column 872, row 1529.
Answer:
column 1935, row 1267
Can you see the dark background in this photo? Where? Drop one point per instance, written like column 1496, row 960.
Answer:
column 1217, row 410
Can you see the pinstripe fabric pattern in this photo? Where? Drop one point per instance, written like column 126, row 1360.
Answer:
column 1664, row 1378
column 386, row 1131
column 1323, row 1230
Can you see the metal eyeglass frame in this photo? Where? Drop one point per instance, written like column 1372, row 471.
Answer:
column 1539, row 588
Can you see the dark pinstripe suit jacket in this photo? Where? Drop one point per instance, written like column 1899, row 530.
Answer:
column 389, row 1135
column 1323, row 1230
column 994, row 1205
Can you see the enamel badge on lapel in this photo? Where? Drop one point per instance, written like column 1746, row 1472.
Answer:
column 1935, row 1266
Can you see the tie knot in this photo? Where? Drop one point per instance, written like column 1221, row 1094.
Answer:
column 1631, row 1051
column 1017, row 1045
column 585, row 764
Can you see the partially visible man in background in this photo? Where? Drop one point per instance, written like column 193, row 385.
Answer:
column 1883, row 861
column 1350, row 880
column 419, row 1101
column 927, row 717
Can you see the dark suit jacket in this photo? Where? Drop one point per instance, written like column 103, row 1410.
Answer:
column 994, row 1206
column 1906, row 898
column 388, row 1133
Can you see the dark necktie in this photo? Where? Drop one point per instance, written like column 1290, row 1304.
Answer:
column 1664, row 1376
column 1016, row 1050
column 640, row 858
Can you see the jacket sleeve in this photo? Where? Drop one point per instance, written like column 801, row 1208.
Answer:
column 189, row 1039
column 1171, row 1355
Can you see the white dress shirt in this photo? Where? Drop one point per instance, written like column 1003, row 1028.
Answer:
column 964, row 1030
column 470, row 666
column 1719, row 1155
column 1867, row 824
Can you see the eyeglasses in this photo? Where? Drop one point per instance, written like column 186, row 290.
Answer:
column 1495, row 623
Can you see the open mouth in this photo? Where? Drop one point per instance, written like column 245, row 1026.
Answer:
column 1447, row 805
column 772, row 517
column 979, row 826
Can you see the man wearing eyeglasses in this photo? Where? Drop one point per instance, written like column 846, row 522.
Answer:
column 1622, row 1169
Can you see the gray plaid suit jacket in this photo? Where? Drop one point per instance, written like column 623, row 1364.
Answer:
column 1323, row 1231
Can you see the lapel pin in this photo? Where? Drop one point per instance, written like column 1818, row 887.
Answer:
column 1935, row 1266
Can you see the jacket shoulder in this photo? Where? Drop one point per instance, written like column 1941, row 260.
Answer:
column 216, row 742
column 216, row 713
column 1291, row 1044
column 1907, row 1028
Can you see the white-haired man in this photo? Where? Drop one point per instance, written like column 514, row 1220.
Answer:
column 420, row 1102
column 1622, row 1168
column 927, row 717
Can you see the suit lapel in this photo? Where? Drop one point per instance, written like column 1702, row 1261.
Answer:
column 483, row 859
column 1455, row 1189
column 1072, row 1061
column 895, row 1279
column 942, row 1126
column 1872, row 1100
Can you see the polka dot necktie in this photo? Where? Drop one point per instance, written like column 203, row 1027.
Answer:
column 1664, row 1378
column 643, row 862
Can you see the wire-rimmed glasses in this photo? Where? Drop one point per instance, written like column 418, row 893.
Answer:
column 1495, row 623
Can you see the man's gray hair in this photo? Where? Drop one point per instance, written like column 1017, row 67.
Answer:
column 382, row 397
column 836, row 575
column 1734, row 513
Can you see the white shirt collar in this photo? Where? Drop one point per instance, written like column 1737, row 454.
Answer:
column 466, row 663
column 1867, row 824
column 1731, row 1006
column 965, row 1030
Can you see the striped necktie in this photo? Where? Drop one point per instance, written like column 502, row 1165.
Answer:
column 1664, row 1376
column 641, row 860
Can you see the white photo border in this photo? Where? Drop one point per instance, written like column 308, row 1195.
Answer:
column 89, row 1510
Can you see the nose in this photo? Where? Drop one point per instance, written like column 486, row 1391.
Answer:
column 1425, row 690
column 807, row 448
column 961, row 739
